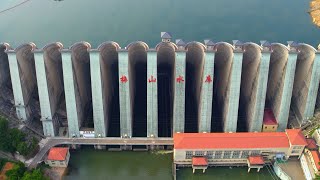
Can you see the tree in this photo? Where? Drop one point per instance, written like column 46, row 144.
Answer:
column 23, row 148
column 36, row 174
column 16, row 172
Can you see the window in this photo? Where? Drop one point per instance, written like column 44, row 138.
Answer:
column 297, row 147
column 210, row 154
column 227, row 155
column 218, row 155
column 255, row 152
column 295, row 151
column 245, row 154
column 199, row 153
column 265, row 127
column 273, row 127
column 188, row 154
column 235, row 154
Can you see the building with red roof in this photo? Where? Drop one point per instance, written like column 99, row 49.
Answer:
column 269, row 121
column 58, row 157
column 237, row 148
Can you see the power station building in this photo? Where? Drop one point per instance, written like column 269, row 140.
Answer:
column 138, row 91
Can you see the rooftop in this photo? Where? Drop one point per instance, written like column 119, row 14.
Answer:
column 316, row 158
column 296, row 137
column 256, row 160
column 241, row 140
column 199, row 161
column 311, row 144
column 58, row 153
column 268, row 117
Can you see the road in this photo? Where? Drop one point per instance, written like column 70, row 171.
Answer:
column 51, row 142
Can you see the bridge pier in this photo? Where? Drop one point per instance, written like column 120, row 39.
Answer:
column 74, row 146
column 126, row 147
column 100, row 147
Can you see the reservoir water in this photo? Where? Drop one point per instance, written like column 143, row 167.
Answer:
column 124, row 21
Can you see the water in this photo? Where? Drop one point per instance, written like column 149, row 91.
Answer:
column 92, row 164
column 124, row 21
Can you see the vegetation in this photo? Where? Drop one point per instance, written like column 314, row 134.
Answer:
column 19, row 172
column 12, row 140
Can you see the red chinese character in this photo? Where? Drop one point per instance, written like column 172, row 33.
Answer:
column 208, row 79
column 124, row 79
column 152, row 79
column 180, row 79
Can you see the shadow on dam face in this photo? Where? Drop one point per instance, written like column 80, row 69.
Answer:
column 53, row 68
column 138, row 88
column 165, row 69
column 6, row 94
column 26, row 65
column 222, row 72
column 278, row 61
column 194, row 72
column 110, row 86
column 249, row 82
column 82, row 82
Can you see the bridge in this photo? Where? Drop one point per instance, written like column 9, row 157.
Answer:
column 51, row 142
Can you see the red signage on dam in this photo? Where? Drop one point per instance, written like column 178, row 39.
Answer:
column 124, row 79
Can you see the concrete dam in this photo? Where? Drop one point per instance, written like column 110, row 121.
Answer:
column 138, row 91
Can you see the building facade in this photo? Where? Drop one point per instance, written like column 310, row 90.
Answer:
column 58, row 157
column 236, row 148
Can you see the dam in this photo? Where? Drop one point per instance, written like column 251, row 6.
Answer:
column 139, row 91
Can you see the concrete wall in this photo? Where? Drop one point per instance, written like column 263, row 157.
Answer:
column 166, row 81
column 280, row 83
column 193, row 83
column 4, row 66
column 254, row 80
column 302, row 82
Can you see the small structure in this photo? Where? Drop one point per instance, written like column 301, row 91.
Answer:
column 255, row 162
column 238, row 45
column 269, row 121
column 166, row 36
column 58, row 157
column 314, row 158
column 266, row 46
column 209, row 44
column 180, row 43
column 292, row 45
column 312, row 145
column 199, row 163
column 316, row 135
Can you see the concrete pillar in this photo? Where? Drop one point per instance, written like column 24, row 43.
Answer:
column 99, row 119
column 152, row 94
column 249, row 169
column 258, row 170
column 313, row 88
column 179, row 92
column 124, row 95
column 49, row 129
column 193, row 170
column 19, row 101
column 230, row 123
column 71, row 105
column 283, row 114
column 260, row 95
column 207, row 93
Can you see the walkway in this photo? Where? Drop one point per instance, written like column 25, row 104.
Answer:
column 293, row 169
column 48, row 143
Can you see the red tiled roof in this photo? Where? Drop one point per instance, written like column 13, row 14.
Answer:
column 296, row 137
column 242, row 140
column 199, row 161
column 316, row 158
column 58, row 153
column 311, row 144
column 256, row 160
column 268, row 117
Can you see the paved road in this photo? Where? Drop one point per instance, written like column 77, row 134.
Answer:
column 51, row 142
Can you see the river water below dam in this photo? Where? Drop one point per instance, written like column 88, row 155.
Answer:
column 103, row 165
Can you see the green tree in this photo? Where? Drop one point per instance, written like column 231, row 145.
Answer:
column 36, row 174
column 23, row 148
column 16, row 172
